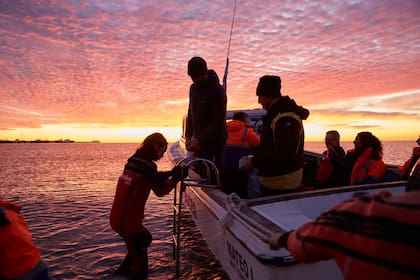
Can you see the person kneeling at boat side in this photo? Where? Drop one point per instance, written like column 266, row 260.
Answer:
column 371, row 236
column 20, row 258
column 279, row 158
column 140, row 176
column 241, row 141
column 330, row 172
column 364, row 163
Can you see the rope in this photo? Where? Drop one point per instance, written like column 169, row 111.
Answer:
column 228, row 50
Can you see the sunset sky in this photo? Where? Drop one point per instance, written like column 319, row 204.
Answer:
column 115, row 71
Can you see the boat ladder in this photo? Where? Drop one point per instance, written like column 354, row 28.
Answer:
column 209, row 179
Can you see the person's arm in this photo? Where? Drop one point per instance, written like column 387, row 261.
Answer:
column 189, row 130
column 252, row 138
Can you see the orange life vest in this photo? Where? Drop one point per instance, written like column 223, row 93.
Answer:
column 366, row 166
column 405, row 168
column 18, row 253
column 325, row 168
column 240, row 133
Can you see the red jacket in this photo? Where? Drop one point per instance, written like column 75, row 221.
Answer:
column 236, row 130
column 367, row 170
column 404, row 169
column 369, row 237
column 127, row 211
column 18, row 253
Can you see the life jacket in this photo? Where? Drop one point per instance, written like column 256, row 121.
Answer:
column 325, row 168
column 366, row 168
column 406, row 167
column 239, row 133
column 18, row 253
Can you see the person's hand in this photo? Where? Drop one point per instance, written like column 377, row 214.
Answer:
column 274, row 241
column 194, row 145
column 278, row 240
column 179, row 173
column 245, row 163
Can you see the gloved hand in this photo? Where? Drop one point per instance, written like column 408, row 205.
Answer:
column 278, row 240
column 179, row 173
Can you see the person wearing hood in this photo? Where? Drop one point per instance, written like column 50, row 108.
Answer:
column 240, row 133
column 205, row 130
column 279, row 158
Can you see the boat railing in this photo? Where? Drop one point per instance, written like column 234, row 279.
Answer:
column 209, row 178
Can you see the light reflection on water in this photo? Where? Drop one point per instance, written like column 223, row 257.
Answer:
column 66, row 191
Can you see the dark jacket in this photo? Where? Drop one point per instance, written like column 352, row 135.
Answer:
column 282, row 152
column 207, row 113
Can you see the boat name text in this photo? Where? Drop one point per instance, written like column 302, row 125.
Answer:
column 239, row 263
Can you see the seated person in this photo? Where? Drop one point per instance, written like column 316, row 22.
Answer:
column 404, row 169
column 364, row 164
column 331, row 170
column 239, row 132
column 241, row 140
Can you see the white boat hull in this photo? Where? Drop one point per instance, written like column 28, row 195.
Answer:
column 237, row 230
column 245, row 255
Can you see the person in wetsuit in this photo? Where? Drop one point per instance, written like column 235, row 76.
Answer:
column 140, row 176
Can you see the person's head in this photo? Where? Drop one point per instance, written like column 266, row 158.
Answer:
column 366, row 140
column 268, row 89
column 418, row 141
column 240, row 116
column 153, row 146
column 332, row 138
column 197, row 69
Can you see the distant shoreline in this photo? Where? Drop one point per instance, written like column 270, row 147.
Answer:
column 45, row 141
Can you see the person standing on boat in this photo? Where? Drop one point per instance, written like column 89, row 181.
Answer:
column 205, row 131
column 240, row 133
column 20, row 258
column 330, row 172
column 279, row 158
column 140, row 176
column 364, row 163
column 371, row 236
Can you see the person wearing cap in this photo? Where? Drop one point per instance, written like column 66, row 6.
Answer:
column 206, row 131
column 279, row 158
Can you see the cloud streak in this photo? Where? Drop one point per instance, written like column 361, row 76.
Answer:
column 123, row 63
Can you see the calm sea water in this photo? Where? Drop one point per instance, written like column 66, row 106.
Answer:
column 66, row 192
